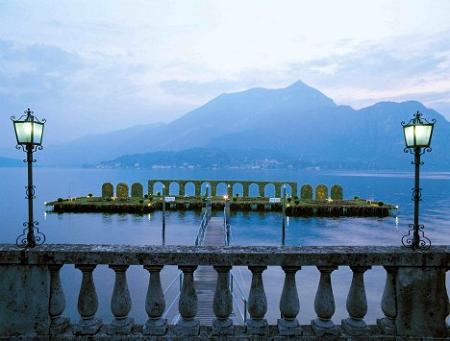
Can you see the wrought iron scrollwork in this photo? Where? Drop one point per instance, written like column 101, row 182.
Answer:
column 30, row 192
column 416, row 194
column 408, row 239
column 39, row 237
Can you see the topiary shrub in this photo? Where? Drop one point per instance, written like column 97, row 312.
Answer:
column 234, row 199
column 90, row 195
column 337, row 192
column 145, row 196
column 306, row 192
column 297, row 202
column 122, row 191
column 107, row 190
column 289, row 199
column 137, row 191
column 355, row 197
column 321, row 192
column 60, row 200
column 141, row 201
column 380, row 203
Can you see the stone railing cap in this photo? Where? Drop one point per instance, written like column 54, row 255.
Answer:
column 246, row 255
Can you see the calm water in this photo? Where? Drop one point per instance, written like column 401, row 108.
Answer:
column 248, row 228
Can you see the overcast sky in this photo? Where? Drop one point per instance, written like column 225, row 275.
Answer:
column 91, row 66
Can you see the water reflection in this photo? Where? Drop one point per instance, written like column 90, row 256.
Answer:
column 248, row 228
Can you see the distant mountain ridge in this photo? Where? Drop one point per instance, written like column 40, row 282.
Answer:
column 297, row 122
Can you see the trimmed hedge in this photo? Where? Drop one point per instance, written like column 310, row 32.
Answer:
column 321, row 192
column 306, row 192
column 122, row 190
column 137, row 191
column 107, row 190
column 337, row 193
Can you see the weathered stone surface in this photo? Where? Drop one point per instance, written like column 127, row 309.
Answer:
column 438, row 256
column 24, row 300
column 419, row 288
column 422, row 302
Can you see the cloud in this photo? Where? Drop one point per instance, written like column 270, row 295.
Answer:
column 103, row 65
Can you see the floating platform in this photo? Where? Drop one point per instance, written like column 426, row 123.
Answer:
column 294, row 207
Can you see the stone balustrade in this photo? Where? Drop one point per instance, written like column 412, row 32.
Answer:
column 414, row 302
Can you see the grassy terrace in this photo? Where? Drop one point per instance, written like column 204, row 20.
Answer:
column 294, row 206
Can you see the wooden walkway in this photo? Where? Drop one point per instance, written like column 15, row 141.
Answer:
column 205, row 277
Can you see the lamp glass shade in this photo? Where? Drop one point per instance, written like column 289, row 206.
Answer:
column 29, row 132
column 418, row 135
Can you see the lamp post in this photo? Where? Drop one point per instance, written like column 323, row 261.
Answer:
column 227, row 218
column 29, row 132
column 208, row 200
column 164, row 215
column 417, row 132
column 283, row 210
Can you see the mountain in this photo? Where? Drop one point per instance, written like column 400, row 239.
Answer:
column 298, row 122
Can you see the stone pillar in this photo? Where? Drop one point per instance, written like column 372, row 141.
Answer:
column 289, row 304
column 223, row 303
column 182, row 187
column 356, row 304
column 155, row 303
column 150, row 187
column 198, row 188
column 24, row 300
column 422, row 302
column 187, row 306
column 57, row 302
column 213, row 188
column 324, row 304
column 245, row 189
column 120, row 303
column 277, row 190
column 257, row 303
column 294, row 189
column 166, row 188
column 389, row 303
column 87, row 303
column 261, row 189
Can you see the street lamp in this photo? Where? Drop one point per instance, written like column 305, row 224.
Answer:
column 29, row 132
column 418, row 132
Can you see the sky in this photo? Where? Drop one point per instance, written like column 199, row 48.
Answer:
column 96, row 66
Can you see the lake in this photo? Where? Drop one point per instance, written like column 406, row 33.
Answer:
column 249, row 228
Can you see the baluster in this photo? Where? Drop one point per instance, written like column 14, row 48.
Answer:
column 257, row 303
column 389, row 303
column 120, row 303
column 57, row 302
column 289, row 304
column 87, row 303
column 187, row 305
column 324, row 304
column 223, row 303
column 155, row 303
column 356, row 304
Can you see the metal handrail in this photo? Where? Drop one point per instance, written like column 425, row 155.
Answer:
column 179, row 279
column 202, row 229
column 241, row 295
column 226, row 226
